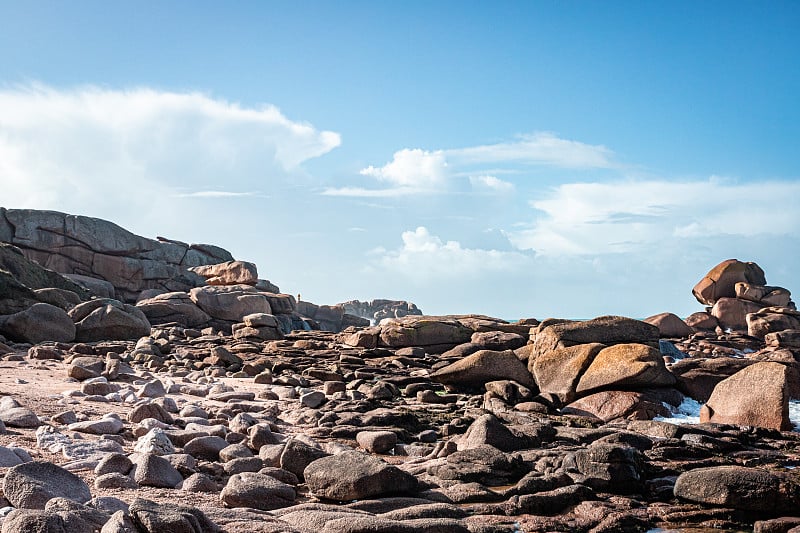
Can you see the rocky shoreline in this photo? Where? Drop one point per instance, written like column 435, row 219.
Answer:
column 225, row 405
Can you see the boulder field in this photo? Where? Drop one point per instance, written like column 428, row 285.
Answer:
column 223, row 407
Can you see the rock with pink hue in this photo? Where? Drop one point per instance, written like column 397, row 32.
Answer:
column 173, row 307
column 697, row 377
column 106, row 319
column 230, row 303
column 702, row 321
column 670, row 325
column 731, row 313
column 558, row 371
column 613, row 405
column 364, row 338
column 281, row 304
column 720, row 282
column 755, row 396
column 772, row 319
column 789, row 338
column 484, row 366
column 626, row 366
column 228, row 273
column 770, row 296
column 40, row 322
column 441, row 332
column 606, row 330
column 95, row 248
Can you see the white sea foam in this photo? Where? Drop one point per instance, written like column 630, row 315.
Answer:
column 794, row 414
column 688, row 412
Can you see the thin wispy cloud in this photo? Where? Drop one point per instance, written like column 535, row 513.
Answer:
column 543, row 148
column 217, row 194
column 360, row 192
column 639, row 216
column 418, row 171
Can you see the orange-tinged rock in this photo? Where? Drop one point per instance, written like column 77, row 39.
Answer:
column 720, row 282
column 626, row 366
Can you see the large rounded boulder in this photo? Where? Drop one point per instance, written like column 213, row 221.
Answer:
column 31, row 485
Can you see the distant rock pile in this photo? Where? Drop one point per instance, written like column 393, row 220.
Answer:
column 377, row 310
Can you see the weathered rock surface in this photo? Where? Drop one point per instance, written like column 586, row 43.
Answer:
column 152, row 517
column 228, row 273
column 606, row 330
column 20, row 277
column 31, row 485
column 355, row 476
column 71, row 244
column 558, row 371
column 731, row 313
column 230, row 302
column 755, row 396
column 626, row 366
column 258, row 491
column 424, row 331
column 482, row 366
column 40, row 322
column 670, row 325
column 750, row 489
column 720, row 282
column 173, row 307
column 104, row 319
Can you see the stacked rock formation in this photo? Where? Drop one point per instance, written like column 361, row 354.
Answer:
column 734, row 290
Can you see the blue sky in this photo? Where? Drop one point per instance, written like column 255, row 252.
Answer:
column 515, row 159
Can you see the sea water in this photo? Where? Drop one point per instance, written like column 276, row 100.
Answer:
column 688, row 412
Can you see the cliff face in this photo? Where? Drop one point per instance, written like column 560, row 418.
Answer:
column 86, row 246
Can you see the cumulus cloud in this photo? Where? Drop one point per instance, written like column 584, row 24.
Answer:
column 77, row 149
column 602, row 218
column 412, row 168
column 426, row 256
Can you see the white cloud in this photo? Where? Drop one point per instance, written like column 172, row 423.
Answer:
column 491, row 183
column 601, row 218
column 359, row 192
column 114, row 153
column 412, row 168
column 424, row 256
column 415, row 171
column 215, row 194
column 541, row 148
